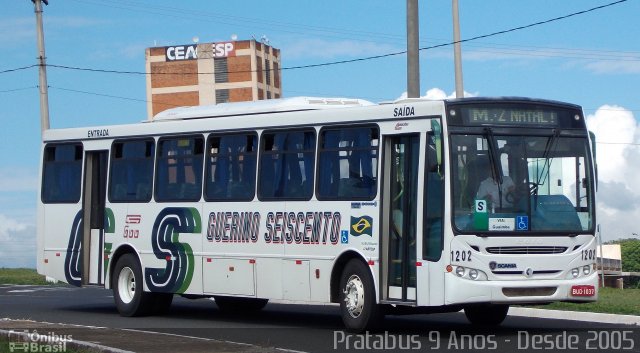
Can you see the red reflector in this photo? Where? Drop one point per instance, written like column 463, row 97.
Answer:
column 58, row 254
column 317, row 273
column 583, row 291
column 418, row 263
column 252, row 261
column 46, row 261
column 168, row 258
column 298, row 262
column 231, row 268
column 371, row 262
column 209, row 260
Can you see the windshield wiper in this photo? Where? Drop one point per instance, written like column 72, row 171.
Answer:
column 551, row 145
column 494, row 160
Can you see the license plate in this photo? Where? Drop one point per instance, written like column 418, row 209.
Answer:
column 583, row 291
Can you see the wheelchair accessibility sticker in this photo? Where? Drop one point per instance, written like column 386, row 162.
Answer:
column 522, row 222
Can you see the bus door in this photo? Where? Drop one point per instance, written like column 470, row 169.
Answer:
column 93, row 210
column 399, row 217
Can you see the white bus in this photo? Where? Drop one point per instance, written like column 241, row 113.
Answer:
column 413, row 207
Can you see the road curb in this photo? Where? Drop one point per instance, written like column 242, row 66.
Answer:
column 576, row 316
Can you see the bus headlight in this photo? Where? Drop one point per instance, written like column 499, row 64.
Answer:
column 473, row 274
column 586, row 269
column 470, row 273
column 575, row 272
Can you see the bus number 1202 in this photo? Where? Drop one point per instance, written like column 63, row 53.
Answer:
column 458, row 256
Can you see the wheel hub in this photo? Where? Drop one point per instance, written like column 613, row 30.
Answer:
column 354, row 296
column 126, row 285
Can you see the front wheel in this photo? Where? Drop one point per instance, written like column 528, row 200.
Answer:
column 487, row 315
column 128, row 291
column 358, row 305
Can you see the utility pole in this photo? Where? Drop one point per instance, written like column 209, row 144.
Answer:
column 457, row 52
column 413, row 50
column 44, row 88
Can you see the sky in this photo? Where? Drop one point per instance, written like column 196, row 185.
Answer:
column 591, row 59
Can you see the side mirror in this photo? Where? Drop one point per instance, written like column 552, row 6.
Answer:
column 592, row 137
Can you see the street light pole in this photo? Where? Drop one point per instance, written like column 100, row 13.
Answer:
column 457, row 51
column 44, row 88
column 413, row 51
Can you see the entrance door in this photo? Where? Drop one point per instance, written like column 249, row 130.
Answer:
column 399, row 217
column 93, row 204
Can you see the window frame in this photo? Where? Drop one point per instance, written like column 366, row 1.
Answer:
column 157, row 166
column 261, row 153
column 153, row 168
column 80, row 175
column 207, row 164
column 320, row 149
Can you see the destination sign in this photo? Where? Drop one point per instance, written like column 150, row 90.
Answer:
column 508, row 116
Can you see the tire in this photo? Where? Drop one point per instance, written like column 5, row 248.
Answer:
column 358, row 306
column 487, row 315
column 233, row 304
column 128, row 288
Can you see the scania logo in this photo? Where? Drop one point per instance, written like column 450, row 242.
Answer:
column 494, row 265
column 528, row 272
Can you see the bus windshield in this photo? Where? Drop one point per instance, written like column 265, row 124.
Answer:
column 521, row 184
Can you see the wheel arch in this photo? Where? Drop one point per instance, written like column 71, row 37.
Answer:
column 117, row 254
column 338, row 267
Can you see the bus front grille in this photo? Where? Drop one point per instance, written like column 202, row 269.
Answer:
column 529, row 291
column 525, row 250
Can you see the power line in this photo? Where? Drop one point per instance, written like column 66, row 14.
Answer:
column 18, row 89
column 373, row 57
column 18, row 69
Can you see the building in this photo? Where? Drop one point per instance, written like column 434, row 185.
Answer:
column 609, row 262
column 211, row 73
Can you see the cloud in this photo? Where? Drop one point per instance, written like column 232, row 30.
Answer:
column 618, row 158
column 17, row 243
column 315, row 48
column 13, row 179
column 439, row 94
column 17, row 30
column 615, row 67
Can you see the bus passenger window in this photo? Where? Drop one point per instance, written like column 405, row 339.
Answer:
column 131, row 176
column 179, row 170
column 62, row 171
column 286, row 165
column 348, row 163
column 231, row 167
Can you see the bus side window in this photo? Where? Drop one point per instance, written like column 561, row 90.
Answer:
column 62, row 172
column 131, row 171
column 231, row 169
column 348, row 163
column 286, row 165
column 179, row 169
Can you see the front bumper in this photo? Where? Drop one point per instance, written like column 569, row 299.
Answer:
column 462, row 291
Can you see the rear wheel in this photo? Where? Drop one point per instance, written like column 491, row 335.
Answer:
column 128, row 292
column 487, row 315
column 358, row 305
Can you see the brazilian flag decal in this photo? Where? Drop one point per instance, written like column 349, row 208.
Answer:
column 361, row 225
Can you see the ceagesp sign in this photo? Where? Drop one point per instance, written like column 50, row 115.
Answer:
column 190, row 52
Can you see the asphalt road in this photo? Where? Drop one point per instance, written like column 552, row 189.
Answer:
column 314, row 328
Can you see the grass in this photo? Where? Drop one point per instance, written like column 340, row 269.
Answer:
column 21, row 276
column 610, row 301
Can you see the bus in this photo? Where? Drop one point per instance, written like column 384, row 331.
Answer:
column 415, row 206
